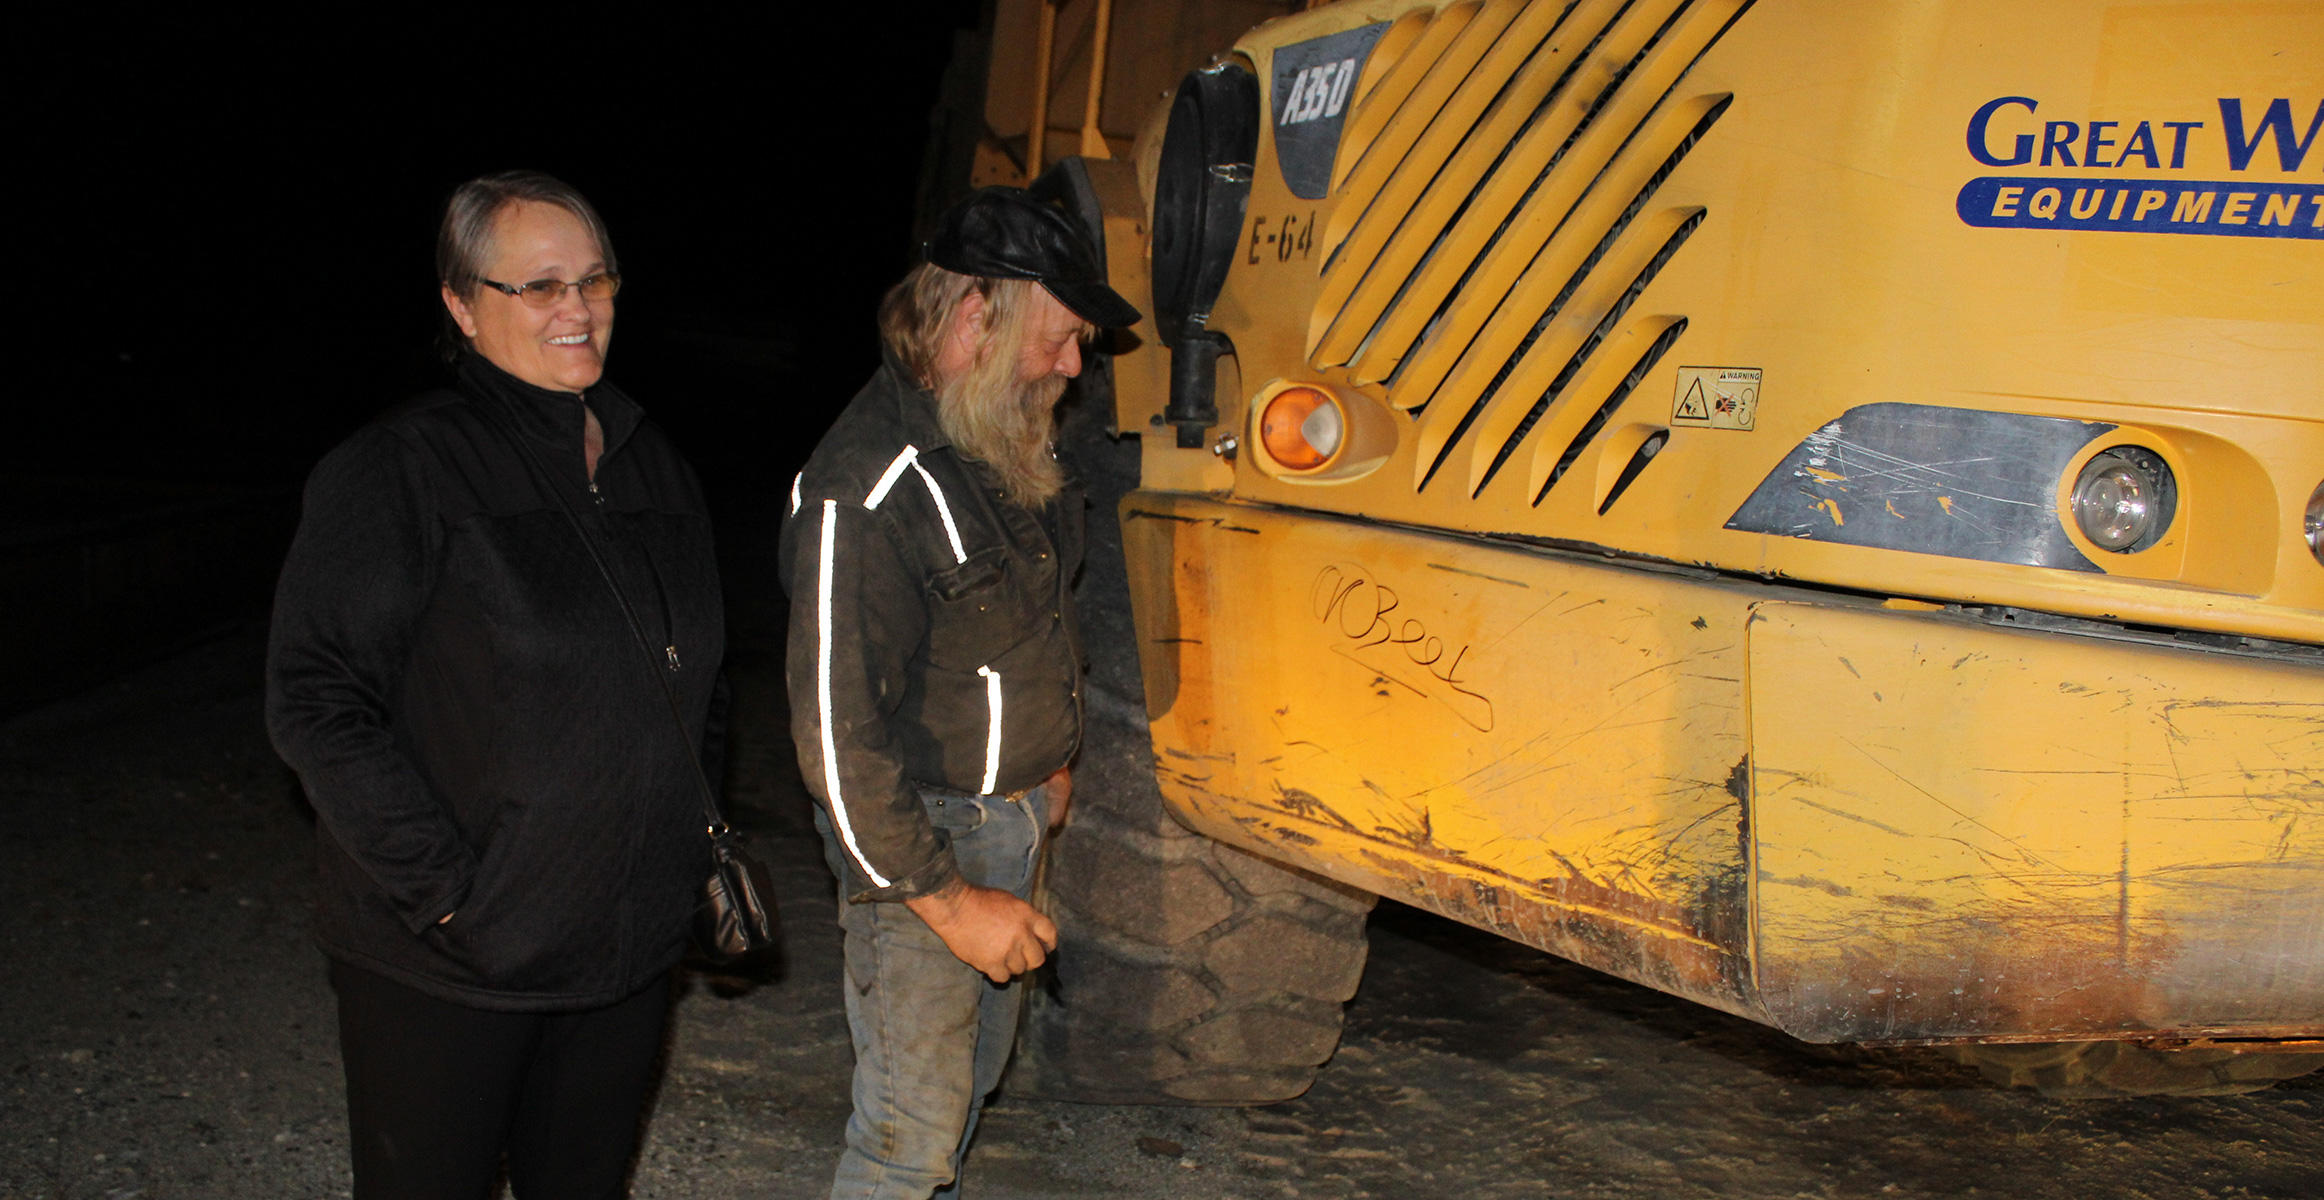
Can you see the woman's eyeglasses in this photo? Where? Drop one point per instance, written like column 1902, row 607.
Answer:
column 541, row 293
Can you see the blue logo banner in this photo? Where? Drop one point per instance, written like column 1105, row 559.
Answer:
column 2239, row 209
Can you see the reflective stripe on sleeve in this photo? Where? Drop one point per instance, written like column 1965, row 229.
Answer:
column 911, row 458
column 888, row 477
column 951, row 531
column 823, row 695
column 795, row 492
column 992, row 737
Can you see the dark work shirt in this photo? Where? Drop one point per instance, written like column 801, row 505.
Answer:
column 932, row 636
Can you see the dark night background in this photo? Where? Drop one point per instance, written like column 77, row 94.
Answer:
column 231, row 218
column 222, row 253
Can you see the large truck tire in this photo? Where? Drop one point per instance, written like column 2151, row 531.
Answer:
column 1187, row 971
column 2114, row 1070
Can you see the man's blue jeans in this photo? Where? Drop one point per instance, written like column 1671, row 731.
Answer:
column 931, row 1033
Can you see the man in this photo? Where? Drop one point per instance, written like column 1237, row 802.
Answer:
column 935, row 668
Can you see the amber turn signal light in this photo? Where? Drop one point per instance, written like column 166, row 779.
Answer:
column 1302, row 428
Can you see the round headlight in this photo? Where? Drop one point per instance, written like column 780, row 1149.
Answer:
column 2124, row 498
column 2315, row 523
column 1301, row 428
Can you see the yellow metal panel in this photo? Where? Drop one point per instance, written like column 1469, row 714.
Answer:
column 1542, row 747
column 1830, row 259
column 1959, row 831
column 1949, row 830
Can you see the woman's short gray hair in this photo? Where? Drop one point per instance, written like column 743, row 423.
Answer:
column 464, row 240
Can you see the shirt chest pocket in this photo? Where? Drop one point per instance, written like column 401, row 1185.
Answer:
column 977, row 611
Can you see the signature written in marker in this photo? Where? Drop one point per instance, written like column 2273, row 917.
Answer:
column 1367, row 613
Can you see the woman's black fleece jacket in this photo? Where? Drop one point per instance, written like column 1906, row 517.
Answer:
column 477, row 727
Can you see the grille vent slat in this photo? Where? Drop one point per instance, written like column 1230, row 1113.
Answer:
column 1590, row 397
column 1563, row 218
column 1489, row 334
column 1546, row 473
column 1437, row 262
column 1585, row 313
column 1564, row 340
column 1406, row 304
column 1460, row 37
column 1409, row 211
column 1379, row 105
column 1607, row 377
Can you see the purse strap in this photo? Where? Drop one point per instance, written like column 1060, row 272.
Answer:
column 718, row 827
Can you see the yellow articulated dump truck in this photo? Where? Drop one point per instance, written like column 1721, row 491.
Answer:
column 1809, row 506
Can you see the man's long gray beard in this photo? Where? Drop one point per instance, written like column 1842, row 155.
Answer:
column 1007, row 424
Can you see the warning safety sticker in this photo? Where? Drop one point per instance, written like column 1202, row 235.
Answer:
column 1716, row 397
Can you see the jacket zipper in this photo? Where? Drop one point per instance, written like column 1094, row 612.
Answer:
column 661, row 589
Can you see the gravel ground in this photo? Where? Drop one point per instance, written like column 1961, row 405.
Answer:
column 168, row 1033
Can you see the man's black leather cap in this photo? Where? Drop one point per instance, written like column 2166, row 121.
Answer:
column 1004, row 233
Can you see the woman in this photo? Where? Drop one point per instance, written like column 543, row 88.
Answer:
column 511, row 835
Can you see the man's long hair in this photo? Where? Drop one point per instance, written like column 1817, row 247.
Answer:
column 988, row 412
column 916, row 313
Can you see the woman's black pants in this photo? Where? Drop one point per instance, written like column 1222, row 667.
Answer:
column 437, row 1091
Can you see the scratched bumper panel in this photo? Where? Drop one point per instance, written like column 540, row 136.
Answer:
column 1959, row 482
column 1544, row 747
column 1966, row 832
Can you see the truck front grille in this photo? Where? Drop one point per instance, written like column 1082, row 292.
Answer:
column 1495, row 223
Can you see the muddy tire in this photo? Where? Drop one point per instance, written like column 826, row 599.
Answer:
column 2111, row 1070
column 1187, row 971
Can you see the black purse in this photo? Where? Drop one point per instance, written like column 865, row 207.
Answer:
column 734, row 919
